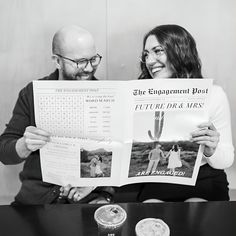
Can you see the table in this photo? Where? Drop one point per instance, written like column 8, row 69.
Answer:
column 195, row 219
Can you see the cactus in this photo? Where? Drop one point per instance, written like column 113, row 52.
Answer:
column 158, row 126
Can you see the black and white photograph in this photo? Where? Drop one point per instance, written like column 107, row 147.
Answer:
column 95, row 163
column 161, row 171
column 162, row 145
column 163, row 159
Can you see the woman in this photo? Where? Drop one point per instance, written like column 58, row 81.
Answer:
column 174, row 158
column 92, row 166
column 169, row 51
column 98, row 168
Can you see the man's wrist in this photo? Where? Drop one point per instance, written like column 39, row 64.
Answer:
column 21, row 148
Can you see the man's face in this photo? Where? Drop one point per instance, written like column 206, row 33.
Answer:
column 78, row 58
column 70, row 70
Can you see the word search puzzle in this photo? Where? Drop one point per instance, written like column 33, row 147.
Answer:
column 69, row 109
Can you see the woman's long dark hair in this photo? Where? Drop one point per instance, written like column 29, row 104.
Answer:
column 180, row 49
column 175, row 148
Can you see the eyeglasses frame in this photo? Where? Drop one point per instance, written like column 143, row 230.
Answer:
column 161, row 52
column 82, row 59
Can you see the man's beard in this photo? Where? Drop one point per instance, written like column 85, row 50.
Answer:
column 78, row 76
column 66, row 76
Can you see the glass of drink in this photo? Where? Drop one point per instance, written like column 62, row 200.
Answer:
column 152, row 227
column 110, row 219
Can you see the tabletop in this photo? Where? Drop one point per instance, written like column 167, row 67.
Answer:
column 195, row 219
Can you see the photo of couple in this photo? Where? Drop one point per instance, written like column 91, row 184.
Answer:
column 95, row 163
column 163, row 158
column 173, row 158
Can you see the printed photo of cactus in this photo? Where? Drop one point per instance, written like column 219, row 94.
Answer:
column 161, row 144
column 158, row 125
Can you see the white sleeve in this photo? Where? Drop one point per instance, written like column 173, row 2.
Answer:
column 219, row 112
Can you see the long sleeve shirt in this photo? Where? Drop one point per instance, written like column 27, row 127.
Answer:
column 33, row 190
column 219, row 113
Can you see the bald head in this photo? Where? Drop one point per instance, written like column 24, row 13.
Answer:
column 72, row 44
column 71, row 39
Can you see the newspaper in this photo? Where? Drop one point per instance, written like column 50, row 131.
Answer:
column 120, row 132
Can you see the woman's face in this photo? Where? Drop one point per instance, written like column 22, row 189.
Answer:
column 156, row 59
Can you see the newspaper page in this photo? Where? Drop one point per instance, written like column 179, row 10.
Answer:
column 165, row 113
column 88, row 115
column 120, row 132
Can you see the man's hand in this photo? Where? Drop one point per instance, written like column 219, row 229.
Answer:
column 75, row 193
column 32, row 140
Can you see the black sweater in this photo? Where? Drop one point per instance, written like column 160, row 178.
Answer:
column 33, row 189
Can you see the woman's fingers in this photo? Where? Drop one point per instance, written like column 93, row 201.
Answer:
column 72, row 192
column 208, row 125
column 205, row 132
column 206, row 135
column 76, row 196
column 206, row 138
column 75, row 193
column 65, row 190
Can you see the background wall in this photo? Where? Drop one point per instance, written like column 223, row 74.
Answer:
column 27, row 27
column 26, row 31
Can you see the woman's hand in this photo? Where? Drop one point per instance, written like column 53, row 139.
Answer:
column 208, row 136
column 75, row 193
column 99, row 200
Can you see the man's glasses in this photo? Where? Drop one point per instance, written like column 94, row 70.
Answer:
column 82, row 63
column 156, row 53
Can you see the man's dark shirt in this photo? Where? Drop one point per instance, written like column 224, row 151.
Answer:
column 33, row 189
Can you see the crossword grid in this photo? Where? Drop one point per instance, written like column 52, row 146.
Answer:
column 68, row 115
column 62, row 115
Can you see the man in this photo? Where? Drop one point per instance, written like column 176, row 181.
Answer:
column 75, row 58
column 154, row 157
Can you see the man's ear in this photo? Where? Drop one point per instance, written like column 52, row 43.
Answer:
column 56, row 61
